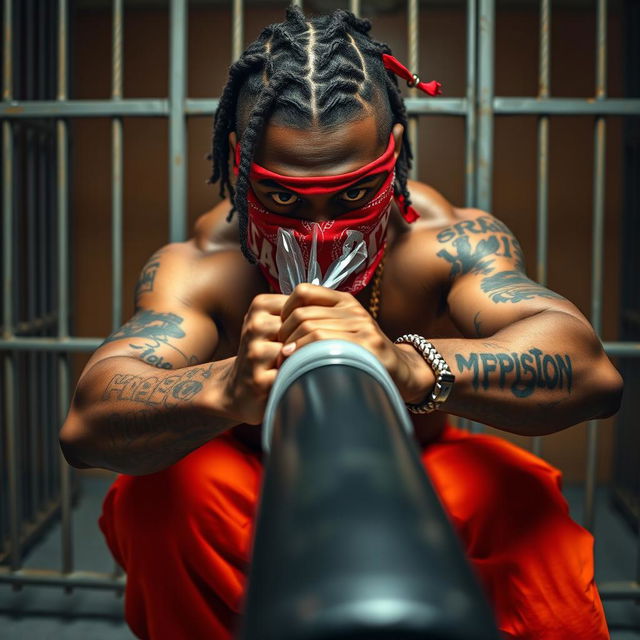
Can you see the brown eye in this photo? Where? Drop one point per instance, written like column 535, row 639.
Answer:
column 353, row 195
column 283, row 197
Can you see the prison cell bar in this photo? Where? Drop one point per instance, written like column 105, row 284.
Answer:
column 9, row 363
column 157, row 107
column 479, row 101
column 484, row 145
column 45, row 181
column 32, row 311
column 116, row 167
column 542, row 181
column 64, row 363
column 413, row 43
column 471, row 124
column 597, row 253
column 117, row 175
column 177, row 121
column 237, row 29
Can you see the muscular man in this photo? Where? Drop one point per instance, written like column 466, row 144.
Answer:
column 174, row 399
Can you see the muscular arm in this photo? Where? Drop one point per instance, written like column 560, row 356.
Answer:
column 530, row 362
column 148, row 396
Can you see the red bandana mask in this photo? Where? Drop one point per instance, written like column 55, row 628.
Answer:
column 340, row 253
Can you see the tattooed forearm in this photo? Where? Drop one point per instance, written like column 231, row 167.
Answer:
column 514, row 286
column 145, row 423
column 157, row 391
column 158, row 329
column 143, row 441
column 522, row 373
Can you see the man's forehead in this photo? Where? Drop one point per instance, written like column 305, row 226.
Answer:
column 319, row 151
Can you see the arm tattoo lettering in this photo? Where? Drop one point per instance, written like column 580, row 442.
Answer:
column 504, row 286
column 514, row 286
column 467, row 260
column 148, row 275
column 157, row 329
column 522, row 373
column 162, row 406
column 498, row 241
column 155, row 391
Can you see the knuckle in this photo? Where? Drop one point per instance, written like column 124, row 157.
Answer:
column 306, row 326
column 255, row 324
column 254, row 351
column 259, row 301
column 261, row 382
column 303, row 290
column 298, row 315
column 360, row 311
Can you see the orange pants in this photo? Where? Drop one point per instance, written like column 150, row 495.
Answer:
column 183, row 535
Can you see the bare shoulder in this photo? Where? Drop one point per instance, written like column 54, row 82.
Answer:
column 196, row 273
column 213, row 231
column 433, row 207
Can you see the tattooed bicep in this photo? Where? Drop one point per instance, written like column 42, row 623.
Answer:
column 477, row 245
column 489, row 287
column 147, row 279
column 156, row 338
column 167, row 340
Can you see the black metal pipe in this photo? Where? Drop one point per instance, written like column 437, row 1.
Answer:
column 351, row 540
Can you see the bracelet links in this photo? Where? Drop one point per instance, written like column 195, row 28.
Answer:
column 444, row 377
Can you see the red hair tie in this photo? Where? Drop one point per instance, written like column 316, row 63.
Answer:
column 393, row 64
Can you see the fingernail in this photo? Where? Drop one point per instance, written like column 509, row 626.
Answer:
column 288, row 349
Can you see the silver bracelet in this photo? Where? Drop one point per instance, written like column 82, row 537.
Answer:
column 444, row 377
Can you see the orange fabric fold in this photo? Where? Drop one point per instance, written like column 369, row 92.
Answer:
column 183, row 536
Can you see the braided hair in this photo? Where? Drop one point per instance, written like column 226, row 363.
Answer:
column 303, row 73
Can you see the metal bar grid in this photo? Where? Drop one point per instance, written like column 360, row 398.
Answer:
column 443, row 106
column 29, row 494
column 84, row 345
column 478, row 107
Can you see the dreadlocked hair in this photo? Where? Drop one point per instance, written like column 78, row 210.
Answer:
column 304, row 73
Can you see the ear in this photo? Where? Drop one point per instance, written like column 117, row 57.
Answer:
column 398, row 135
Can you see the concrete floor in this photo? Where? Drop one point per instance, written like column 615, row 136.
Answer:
column 46, row 612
